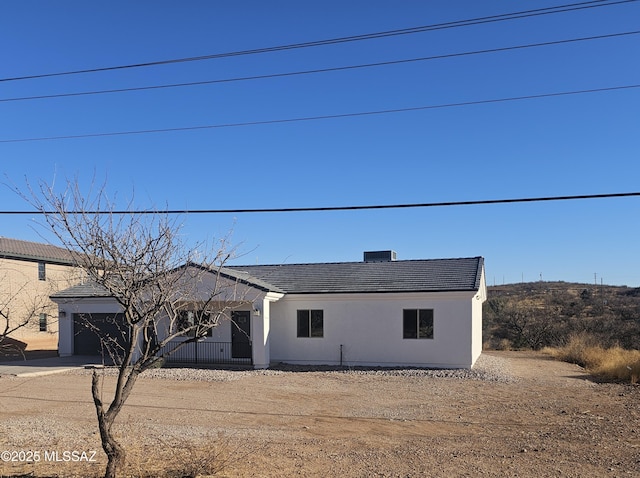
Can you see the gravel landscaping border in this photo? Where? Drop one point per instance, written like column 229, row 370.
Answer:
column 486, row 368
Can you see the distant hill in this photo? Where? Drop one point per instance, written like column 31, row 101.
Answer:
column 539, row 314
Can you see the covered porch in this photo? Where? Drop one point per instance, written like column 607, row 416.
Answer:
column 204, row 352
column 241, row 337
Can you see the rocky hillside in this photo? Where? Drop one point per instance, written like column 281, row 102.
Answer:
column 539, row 314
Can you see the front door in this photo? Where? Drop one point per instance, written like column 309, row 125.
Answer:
column 241, row 334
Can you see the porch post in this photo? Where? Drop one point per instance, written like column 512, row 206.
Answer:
column 260, row 323
column 261, row 329
column 65, row 330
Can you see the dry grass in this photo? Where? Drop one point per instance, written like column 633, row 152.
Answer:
column 151, row 458
column 182, row 458
column 614, row 363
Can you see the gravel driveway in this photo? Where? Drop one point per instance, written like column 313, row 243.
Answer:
column 515, row 414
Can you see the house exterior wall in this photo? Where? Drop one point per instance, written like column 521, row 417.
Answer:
column 67, row 309
column 358, row 329
column 260, row 334
column 239, row 297
column 26, row 296
column 367, row 329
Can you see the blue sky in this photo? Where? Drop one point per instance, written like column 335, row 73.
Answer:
column 555, row 146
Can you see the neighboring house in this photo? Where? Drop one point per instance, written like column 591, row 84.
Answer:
column 379, row 312
column 29, row 273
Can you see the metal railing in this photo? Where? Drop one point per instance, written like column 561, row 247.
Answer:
column 205, row 352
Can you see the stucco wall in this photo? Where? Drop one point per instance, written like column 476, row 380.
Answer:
column 368, row 329
column 359, row 329
column 27, row 296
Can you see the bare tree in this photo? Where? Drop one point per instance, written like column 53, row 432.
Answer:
column 524, row 324
column 141, row 261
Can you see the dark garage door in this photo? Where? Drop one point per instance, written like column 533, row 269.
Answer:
column 90, row 331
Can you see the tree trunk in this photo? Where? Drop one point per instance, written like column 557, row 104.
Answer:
column 115, row 452
column 115, row 456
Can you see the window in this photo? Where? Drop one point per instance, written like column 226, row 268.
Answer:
column 310, row 323
column 187, row 319
column 417, row 324
column 43, row 322
column 42, row 271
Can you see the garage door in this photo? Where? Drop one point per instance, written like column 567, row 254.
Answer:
column 91, row 331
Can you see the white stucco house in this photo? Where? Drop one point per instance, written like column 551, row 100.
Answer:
column 375, row 312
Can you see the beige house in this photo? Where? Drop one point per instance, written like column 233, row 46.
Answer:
column 29, row 273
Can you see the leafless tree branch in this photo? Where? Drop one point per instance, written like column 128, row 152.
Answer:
column 142, row 263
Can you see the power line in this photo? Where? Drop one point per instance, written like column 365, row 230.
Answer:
column 339, row 40
column 323, row 70
column 323, row 117
column 342, row 208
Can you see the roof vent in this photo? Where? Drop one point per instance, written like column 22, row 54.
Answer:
column 379, row 256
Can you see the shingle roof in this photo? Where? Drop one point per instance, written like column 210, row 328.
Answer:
column 88, row 290
column 34, row 251
column 247, row 278
column 430, row 275
column 91, row 289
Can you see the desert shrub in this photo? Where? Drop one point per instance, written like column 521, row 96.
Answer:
column 496, row 343
column 573, row 351
column 617, row 363
column 182, row 457
column 504, row 344
column 610, row 363
column 538, row 315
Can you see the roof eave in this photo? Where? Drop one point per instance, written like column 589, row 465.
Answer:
column 30, row 258
column 405, row 291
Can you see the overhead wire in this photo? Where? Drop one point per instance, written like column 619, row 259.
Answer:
column 323, row 70
column 339, row 208
column 339, row 40
column 322, row 117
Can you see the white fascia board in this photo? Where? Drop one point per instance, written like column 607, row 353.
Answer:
column 81, row 302
column 375, row 296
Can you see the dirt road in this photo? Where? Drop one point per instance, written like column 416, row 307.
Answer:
column 551, row 421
